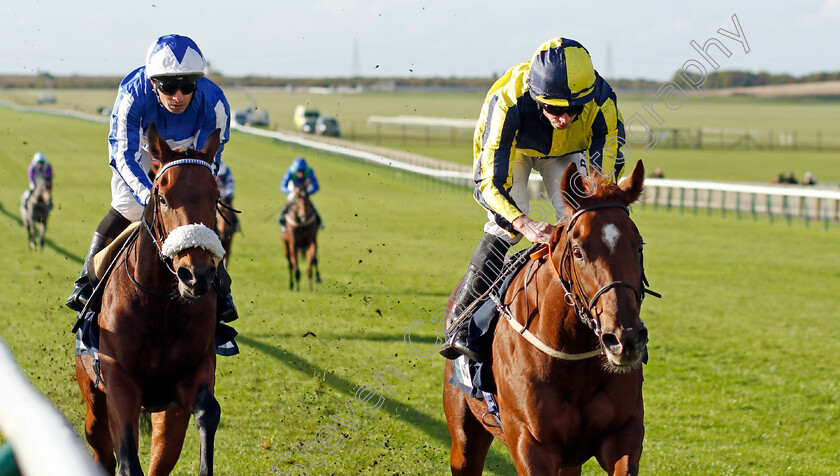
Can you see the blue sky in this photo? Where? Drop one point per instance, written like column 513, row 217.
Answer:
column 642, row 39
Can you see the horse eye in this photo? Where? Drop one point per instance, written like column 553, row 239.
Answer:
column 577, row 252
column 161, row 200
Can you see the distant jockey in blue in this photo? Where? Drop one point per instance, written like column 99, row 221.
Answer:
column 298, row 176
column 224, row 180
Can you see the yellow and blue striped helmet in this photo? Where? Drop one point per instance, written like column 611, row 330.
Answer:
column 562, row 74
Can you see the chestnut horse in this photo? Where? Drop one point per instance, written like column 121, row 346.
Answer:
column 35, row 210
column 157, row 323
column 567, row 361
column 301, row 238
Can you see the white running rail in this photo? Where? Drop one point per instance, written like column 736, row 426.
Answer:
column 43, row 442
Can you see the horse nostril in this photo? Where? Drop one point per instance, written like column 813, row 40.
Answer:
column 185, row 275
column 611, row 342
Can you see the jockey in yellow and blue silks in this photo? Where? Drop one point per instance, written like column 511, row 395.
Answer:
column 541, row 115
column 299, row 175
column 170, row 90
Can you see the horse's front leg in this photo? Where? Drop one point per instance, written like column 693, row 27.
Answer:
column 310, row 259
column 96, row 420
column 123, row 403
column 207, row 414
column 197, row 397
column 296, row 252
column 529, row 456
column 168, row 430
column 620, row 452
column 43, row 229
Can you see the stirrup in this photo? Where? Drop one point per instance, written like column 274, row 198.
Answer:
column 456, row 346
column 80, row 296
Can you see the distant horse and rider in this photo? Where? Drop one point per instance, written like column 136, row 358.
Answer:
column 300, row 222
column 565, row 354
column 227, row 221
column 158, row 320
column 35, row 207
column 300, row 238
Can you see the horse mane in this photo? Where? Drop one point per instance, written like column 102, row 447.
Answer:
column 596, row 188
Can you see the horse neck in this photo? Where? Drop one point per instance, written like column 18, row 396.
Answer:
column 41, row 190
column 556, row 323
column 147, row 267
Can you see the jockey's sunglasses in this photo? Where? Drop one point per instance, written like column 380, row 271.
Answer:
column 170, row 84
column 560, row 110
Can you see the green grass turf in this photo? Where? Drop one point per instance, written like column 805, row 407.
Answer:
column 742, row 378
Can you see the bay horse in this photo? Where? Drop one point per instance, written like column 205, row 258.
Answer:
column 227, row 223
column 301, row 238
column 567, row 360
column 157, row 323
column 35, row 210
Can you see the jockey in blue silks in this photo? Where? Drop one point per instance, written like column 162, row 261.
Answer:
column 186, row 107
column 299, row 175
column 224, row 180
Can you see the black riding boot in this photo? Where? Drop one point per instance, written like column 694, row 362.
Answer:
column 485, row 266
column 225, row 309
column 83, row 288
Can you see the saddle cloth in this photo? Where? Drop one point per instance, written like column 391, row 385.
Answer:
column 475, row 378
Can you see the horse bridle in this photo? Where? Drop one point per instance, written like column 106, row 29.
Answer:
column 155, row 229
column 574, row 295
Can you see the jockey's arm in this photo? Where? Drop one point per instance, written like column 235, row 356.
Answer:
column 312, row 184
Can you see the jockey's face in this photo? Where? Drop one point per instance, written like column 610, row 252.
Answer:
column 176, row 102
column 560, row 117
column 299, row 174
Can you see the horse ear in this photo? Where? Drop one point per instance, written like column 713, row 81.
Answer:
column 212, row 146
column 158, row 148
column 632, row 185
column 571, row 186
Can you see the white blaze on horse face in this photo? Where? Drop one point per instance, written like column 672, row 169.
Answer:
column 610, row 236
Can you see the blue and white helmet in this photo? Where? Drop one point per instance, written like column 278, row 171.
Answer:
column 39, row 158
column 174, row 55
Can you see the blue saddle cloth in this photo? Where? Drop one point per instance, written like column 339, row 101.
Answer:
column 473, row 378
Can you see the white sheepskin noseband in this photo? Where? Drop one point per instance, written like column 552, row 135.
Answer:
column 192, row 236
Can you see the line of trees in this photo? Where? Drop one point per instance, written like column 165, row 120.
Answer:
column 715, row 80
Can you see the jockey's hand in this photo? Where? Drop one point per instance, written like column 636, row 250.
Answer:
column 535, row 232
